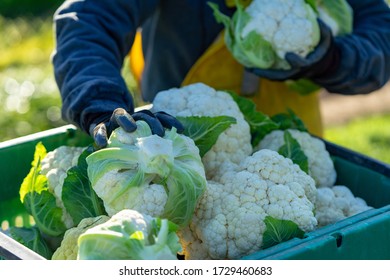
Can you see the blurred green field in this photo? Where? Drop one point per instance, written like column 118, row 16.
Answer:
column 369, row 136
column 28, row 92
column 31, row 101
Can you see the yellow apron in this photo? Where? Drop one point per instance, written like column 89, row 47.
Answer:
column 218, row 69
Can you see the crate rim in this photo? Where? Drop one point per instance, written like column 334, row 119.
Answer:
column 37, row 135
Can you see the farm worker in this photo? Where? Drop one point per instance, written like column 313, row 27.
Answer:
column 181, row 45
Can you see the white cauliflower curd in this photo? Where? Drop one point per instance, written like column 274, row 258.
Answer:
column 198, row 99
column 289, row 26
column 260, row 34
column 55, row 166
column 157, row 176
column 321, row 166
column 337, row 203
column 229, row 220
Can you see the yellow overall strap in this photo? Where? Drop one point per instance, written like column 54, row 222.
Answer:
column 136, row 58
column 218, row 69
column 232, row 3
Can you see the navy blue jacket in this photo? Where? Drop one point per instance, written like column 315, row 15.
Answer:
column 93, row 38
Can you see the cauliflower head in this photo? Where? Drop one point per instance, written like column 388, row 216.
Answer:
column 69, row 247
column 289, row 26
column 337, row 203
column 198, row 99
column 158, row 176
column 229, row 220
column 260, row 34
column 132, row 235
column 321, row 166
column 54, row 166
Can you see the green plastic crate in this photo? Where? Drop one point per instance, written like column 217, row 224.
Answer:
column 363, row 236
column 15, row 163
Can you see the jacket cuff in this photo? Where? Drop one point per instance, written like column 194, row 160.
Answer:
column 95, row 104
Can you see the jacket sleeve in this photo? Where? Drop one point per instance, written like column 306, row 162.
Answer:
column 92, row 40
column 365, row 54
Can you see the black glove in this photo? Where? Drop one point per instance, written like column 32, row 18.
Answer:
column 323, row 59
column 101, row 130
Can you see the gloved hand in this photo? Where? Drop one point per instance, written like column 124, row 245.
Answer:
column 121, row 118
column 323, row 58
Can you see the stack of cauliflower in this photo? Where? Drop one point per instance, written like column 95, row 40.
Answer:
column 246, row 184
column 225, row 210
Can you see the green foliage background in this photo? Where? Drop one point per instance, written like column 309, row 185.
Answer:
column 16, row 8
column 28, row 93
column 369, row 135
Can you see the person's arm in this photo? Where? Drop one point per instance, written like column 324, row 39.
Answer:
column 364, row 64
column 356, row 63
column 92, row 39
